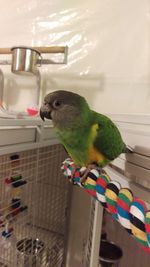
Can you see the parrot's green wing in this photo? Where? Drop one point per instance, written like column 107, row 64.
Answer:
column 108, row 140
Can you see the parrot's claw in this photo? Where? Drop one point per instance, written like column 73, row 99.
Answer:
column 84, row 177
column 88, row 169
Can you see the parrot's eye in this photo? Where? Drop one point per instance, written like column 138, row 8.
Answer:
column 56, row 104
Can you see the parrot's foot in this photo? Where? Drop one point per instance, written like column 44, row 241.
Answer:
column 88, row 169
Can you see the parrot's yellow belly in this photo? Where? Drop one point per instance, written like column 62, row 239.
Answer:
column 93, row 154
column 83, row 156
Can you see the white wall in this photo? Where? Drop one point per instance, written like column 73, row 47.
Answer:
column 108, row 50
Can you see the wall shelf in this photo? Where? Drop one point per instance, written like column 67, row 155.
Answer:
column 25, row 134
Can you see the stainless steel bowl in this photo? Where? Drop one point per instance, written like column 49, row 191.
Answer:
column 110, row 254
column 24, row 60
column 31, row 253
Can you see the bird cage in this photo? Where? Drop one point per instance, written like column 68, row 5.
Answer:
column 35, row 199
column 34, row 206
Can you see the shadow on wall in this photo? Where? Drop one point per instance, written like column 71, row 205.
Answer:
column 88, row 85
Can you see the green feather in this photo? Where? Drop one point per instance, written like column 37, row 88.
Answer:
column 79, row 138
column 108, row 139
column 87, row 135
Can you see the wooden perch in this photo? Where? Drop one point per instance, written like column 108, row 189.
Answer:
column 41, row 49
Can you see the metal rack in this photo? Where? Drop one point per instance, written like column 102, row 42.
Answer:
column 47, row 196
column 41, row 50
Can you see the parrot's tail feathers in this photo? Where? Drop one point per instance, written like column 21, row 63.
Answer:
column 128, row 149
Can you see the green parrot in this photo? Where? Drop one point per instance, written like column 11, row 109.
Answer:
column 89, row 137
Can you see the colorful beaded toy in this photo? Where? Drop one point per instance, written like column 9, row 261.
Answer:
column 130, row 211
column 14, row 183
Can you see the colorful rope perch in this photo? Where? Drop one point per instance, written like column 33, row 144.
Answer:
column 131, row 212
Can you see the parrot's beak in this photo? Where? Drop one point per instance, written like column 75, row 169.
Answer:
column 45, row 112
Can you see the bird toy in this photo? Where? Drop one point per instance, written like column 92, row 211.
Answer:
column 14, row 183
column 131, row 212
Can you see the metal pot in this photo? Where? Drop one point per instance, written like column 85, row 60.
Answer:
column 110, row 254
column 31, row 253
column 24, row 60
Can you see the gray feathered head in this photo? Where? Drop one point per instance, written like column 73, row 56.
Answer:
column 64, row 108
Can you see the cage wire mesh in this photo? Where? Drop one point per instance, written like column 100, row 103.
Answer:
column 34, row 202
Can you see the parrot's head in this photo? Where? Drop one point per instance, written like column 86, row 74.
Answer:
column 64, row 108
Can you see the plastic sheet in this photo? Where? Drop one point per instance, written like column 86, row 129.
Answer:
column 108, row 51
